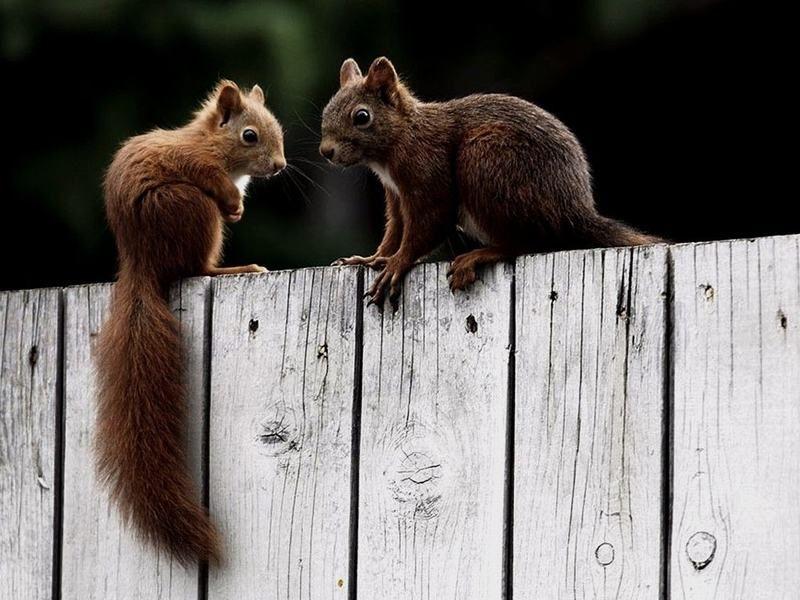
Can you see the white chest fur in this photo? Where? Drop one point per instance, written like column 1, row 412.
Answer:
column 468, row 225
column 241, row 183
column 385, row 177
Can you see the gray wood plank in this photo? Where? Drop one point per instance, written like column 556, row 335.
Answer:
column 590, row 341
column 433, row 437
column 101, row 557
column 284, row 346
column 29, row 358
column 736, row 523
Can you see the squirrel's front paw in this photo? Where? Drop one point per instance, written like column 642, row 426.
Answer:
column 388, row 280
column 351, row 260
column 373, row 262
column 233, row 214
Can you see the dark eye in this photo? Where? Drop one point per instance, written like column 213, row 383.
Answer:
column 249, row 136
column 362, row 118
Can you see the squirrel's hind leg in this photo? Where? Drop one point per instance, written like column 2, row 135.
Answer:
column 462, row 270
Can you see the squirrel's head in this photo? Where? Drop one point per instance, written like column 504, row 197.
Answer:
column 364, row 118
column 246, row 133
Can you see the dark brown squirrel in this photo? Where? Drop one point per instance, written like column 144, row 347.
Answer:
column 167, row 194
column 503, row 170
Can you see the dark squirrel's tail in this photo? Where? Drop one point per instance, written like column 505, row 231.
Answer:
column 597, row 231
column 141, row 423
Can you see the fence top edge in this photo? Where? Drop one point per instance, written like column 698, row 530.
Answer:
column 283, row 272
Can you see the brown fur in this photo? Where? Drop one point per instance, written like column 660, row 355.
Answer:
column 167, row 194
column 504, row 170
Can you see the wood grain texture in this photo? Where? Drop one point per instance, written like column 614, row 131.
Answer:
column 281, row 424
column 590, row 341
column 29, row 359
column 433, row 436
column 101, row 557
column 736, row 522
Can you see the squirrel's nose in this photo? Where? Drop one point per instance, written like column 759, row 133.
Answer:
column 327, row 151
column 279, row 164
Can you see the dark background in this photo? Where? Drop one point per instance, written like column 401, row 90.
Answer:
column 682, row 107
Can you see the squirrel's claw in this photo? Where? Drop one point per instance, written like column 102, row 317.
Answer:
column 394, row 298
column 388, row 281
column 377, row 291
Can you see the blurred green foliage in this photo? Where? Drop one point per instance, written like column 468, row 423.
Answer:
column 81, row 76
column 98, row 72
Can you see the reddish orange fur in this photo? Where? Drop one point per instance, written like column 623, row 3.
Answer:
column 167, row 194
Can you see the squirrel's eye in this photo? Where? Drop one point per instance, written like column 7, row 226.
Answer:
column 362, row 118
column 249, row 136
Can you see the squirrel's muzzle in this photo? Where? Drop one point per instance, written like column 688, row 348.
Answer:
column 278, row 164
column 327, row 150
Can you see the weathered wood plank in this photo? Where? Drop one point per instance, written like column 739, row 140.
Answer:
column 590, row 341
column 433, row 437
column 29, row 359
column 101, row 557
column 736, row 523
column 281, row 424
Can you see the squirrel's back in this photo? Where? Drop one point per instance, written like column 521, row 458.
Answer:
column 139, row 166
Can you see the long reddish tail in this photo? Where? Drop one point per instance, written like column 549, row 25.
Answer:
column 141, row 421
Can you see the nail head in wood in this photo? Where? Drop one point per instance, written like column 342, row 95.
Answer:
column 700, row 549
column 604, row 554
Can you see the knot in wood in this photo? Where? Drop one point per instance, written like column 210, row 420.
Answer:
column 701, row 548
column 253, row 326
column 416, row 485
column 276, row 437
column 604, row 554
column 33, row 356
column 472, row 324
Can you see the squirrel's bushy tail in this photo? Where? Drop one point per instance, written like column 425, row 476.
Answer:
column 141, row 423
column 598, row 231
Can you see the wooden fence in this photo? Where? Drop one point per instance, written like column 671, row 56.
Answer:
column 622, row 423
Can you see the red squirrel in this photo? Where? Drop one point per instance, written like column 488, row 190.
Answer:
column 167, row 193
column 501, row 169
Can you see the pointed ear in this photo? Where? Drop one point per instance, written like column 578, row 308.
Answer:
column 349, row 73
column 258, row 94
column 382, row 78
column 229, row 101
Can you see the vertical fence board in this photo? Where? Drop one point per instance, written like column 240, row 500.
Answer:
column 284, row 346
column 589, row 391
column 433, row 436
column 589, row 401
column 101, row 557
column 29, row 358
column 736, row 525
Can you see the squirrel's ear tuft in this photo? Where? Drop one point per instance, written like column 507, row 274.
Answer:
column 349, row 73
column 229, row 100
column 382, row 77
column 258, row 94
